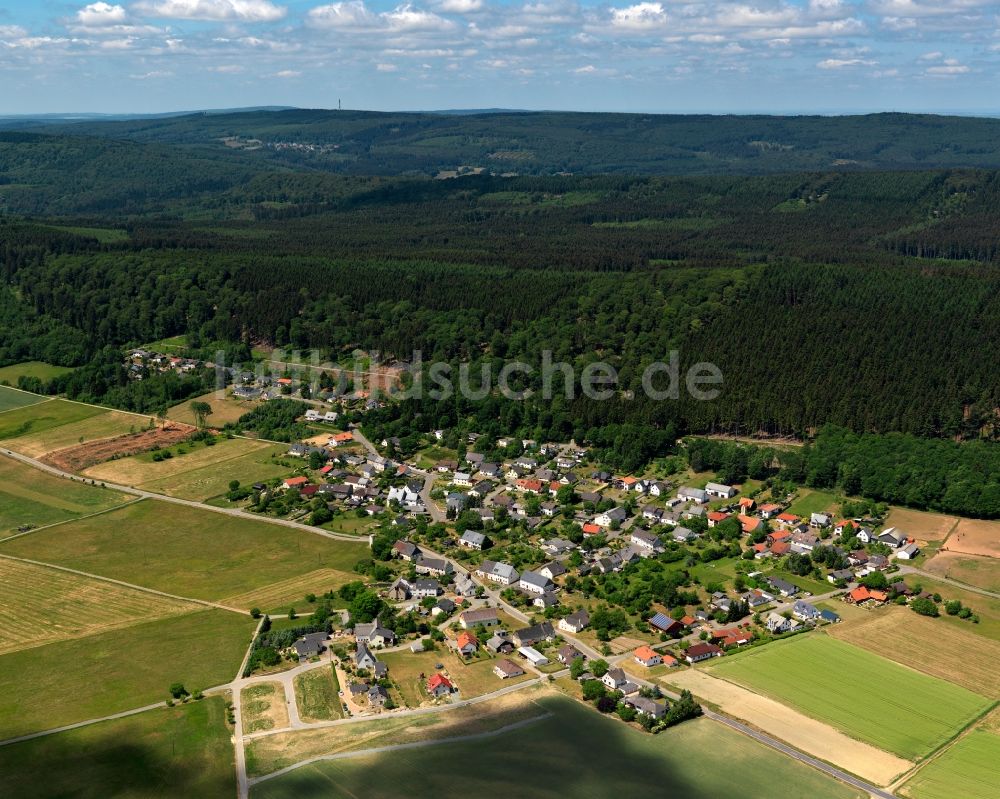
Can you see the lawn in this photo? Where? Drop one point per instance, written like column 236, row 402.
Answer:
column 892, row 707
column 40, row 605
column 16, row 426
column 810, row 501
column 11, row 398
column 185, row 551
column 575, row 752
column 181, row 751
column 316, row 695
column 69, row 681
column 203, row 472
column 967, row 770
column 43, row 371
column 30, row 496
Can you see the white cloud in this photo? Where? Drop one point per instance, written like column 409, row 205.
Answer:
column 460, row 6
column 99, row 15
column 12, row 32
column 947, row 71
column 355, row 15
column 640, row 17
column 386, row 68
column 288, row 73
column 215, row 10
column 841, row 63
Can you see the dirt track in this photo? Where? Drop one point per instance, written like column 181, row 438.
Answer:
column 82, row 456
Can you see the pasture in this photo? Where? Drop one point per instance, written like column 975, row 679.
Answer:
column 697, row 760
column 199, row 474
column 893, row 708
column 162, row 754
column 316, row 695
column 30, row 496
column 185, row 551
column 972, row 537
column 40, row 605
column 11, row 399
column 85, row 678
column 966, row 770
column 959, row 655
column 225, row 409
column 43, row 371
column 974, row 570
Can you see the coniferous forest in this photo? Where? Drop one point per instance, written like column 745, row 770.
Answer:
column 866, row 299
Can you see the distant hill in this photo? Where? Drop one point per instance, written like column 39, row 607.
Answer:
column 531, row 143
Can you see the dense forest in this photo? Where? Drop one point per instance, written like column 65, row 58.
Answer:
column 865, row 299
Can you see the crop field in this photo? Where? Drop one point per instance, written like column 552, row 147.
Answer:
column 183, row 751
column 697, row 760
column 43, row 371
column 11, row 399
column 277, row 597
column 974, row 570
column 18, row 426
column 316, row 695
column 30, row 496
column 40, row 605
column 224, row 410
column 972, row 537
column 893, row 708
column 921, row 525
column 185, row 551
column 966, row 770
column 959, row 655
column 200, row 474
column 85, row 678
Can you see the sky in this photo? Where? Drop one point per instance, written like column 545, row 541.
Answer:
column 663, row 56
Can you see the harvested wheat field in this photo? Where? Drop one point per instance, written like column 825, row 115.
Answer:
column 928, row 645
column 920, row 525
column 974, row 570
column 811, row 736
column 82, row 456
column 41, row 605
column 264, row 707
column 293, row 590
column 975, row 537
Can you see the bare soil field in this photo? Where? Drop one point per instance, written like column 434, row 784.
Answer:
column 40, row 605
column 809, row 735
column 975, row 570
column 924, row 527
column 975, row 537
column 264, row 707
column 928, row 645
column 83, row 456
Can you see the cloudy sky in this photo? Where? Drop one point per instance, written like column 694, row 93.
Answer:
column 660, row 56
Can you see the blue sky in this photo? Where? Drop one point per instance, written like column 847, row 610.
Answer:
column 826, row 56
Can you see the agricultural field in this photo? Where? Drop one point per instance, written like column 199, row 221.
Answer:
column 43, row 371
column 277, row 597
column 40, row 605
column 264, row 707
column 86, row 678
column 162, row 754
column 959, row 655
column 697, row 760
column 30, row 496
column 894, row 708
column 974, row 537
column 966, row 770
column 11, row 399
column 813, row 737
column 20, row 426
column 316, row 695
column 224, row 410
column 923, row 526
column 186, row 551
column 974, row 570
column 201, row 473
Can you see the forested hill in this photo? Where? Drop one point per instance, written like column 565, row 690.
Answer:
column 539, row 143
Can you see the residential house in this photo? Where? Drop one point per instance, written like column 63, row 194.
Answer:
column 702, row 651
column 720, row 490
column 611, row 517
column 783, row 587
column 363, row 657
column 908, row 552
column 406, row 550
column 425, row 587
column 462, row 479
column 500, row 644
column 688, row 494
column 819, row 520
column 439, row 685
column 552, row 569
column 648, row 657
column 664, row 623
column 777, row 623
column 466, row 644
column 804, row 611
column 647, row 707
column 374, row 634
column 567, row 653
column 472, row 540
column 481, row 617
column 682, row 535
column 755, row 598
column 646, row 542
column 575, row 622
column 310, row 645
column 614, row 679
column 498, row 572
column 840, row 574
column 535, row 583
column 507, row 669
column 537, row 633
column 437, row 567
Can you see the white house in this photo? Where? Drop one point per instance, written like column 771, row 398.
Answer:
column 535, row 583
column 575, row 622
column 692, row 495
column 720, row 490
column 502, row 573
column 609, row 517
